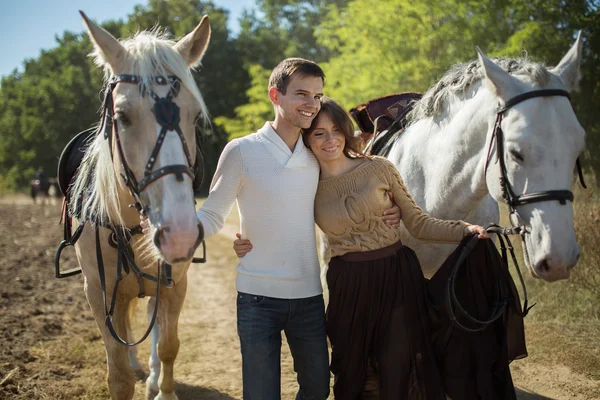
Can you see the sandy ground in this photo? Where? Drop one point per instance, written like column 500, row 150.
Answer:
column 50, row 347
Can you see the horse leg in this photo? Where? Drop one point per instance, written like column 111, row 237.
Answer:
column 154, row 361
column 168, row 343
column 121, row 381
column 134, row 363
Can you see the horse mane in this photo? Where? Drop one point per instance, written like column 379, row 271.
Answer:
column 149, row 54
column 460, row 77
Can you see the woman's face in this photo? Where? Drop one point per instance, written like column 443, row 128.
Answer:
column 326, row 141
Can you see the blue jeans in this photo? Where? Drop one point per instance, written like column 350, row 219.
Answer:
column 260, row 321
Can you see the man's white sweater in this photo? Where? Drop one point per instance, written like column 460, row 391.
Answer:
column 275, row 191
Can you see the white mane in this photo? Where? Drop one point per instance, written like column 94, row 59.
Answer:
column 149, row 54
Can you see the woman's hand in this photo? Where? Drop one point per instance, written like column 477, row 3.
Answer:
column 241, row 246
column 145, row 224
column 479, row 230
column 392, row 216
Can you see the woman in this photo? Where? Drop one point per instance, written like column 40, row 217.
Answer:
column 378, row 314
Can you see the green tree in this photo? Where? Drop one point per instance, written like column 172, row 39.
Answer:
column 41, row 108
column 251, row 116
column 283, row 28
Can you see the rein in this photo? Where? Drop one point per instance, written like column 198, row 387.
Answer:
column 499, row 306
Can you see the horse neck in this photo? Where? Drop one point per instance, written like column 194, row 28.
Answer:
column 449, row 157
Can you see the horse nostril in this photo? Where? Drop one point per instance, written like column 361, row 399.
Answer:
column 160, row 233
column 543, row 266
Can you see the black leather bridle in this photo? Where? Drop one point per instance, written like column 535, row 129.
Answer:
column 513, row 201
column 166, row 112
column 508, row 193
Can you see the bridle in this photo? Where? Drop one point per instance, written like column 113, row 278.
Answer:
column 166, row 113
column 513, row 201
column 508, row 194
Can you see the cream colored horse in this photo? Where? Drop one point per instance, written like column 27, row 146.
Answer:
column 161, row 71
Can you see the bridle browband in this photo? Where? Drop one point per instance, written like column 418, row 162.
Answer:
column 513, row 201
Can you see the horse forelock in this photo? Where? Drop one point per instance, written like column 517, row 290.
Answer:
column 151, row 54
column 461, row 77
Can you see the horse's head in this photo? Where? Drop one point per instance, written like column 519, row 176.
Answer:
column 150, row 112
column 536, row 140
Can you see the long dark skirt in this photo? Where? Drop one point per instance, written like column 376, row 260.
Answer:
column 378, row 321
column 474, row 365
column 385, row 320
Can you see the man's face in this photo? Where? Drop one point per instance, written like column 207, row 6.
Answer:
column 301, row 101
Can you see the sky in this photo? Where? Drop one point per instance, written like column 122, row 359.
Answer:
column 28, row 26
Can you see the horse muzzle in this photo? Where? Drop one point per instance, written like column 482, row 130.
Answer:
column 178, row 245
column 552, row 270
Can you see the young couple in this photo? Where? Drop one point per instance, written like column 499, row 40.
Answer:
column 305, row 167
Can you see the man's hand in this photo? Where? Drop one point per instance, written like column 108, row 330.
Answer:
column 241, row 246
column 392, row 216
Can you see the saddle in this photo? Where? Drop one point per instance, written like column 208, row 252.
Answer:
column 383, row 118
column 71, row 157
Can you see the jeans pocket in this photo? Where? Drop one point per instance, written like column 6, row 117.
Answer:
column 246, row 299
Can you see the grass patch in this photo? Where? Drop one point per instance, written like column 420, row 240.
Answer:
column 564, row 327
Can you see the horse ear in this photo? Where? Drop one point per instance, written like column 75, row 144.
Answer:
column 498, row 79
column 193, row 45
column 108, row 50
column 568, row 68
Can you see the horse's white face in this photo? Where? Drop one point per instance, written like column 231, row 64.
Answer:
column 542, row 140
column 169, row 199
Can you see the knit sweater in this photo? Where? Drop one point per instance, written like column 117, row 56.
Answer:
column 348, row 210
column 275, row 192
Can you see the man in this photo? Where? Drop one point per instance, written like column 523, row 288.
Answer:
column 274, row 177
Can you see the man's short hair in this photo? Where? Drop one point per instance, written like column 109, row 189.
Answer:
column 282, row 73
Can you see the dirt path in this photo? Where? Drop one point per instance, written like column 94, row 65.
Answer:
column 50, row 347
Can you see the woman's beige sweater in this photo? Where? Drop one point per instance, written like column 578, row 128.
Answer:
column 348, row 210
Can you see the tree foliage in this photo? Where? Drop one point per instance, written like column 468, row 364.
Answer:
column 367, row 48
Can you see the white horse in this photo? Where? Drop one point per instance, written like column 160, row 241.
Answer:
column 143, row 154
column 443, row 156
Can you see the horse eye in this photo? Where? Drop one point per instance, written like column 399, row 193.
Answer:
column 516, row 155
column 122, row 118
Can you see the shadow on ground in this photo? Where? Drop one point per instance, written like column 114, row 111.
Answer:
column 189, row 392
column 525, row 395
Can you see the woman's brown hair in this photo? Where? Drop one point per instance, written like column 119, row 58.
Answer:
column 354, row 144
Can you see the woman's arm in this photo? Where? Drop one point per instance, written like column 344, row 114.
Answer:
column 419, row 224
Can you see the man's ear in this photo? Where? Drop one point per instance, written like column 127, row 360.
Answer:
column 274, row 96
